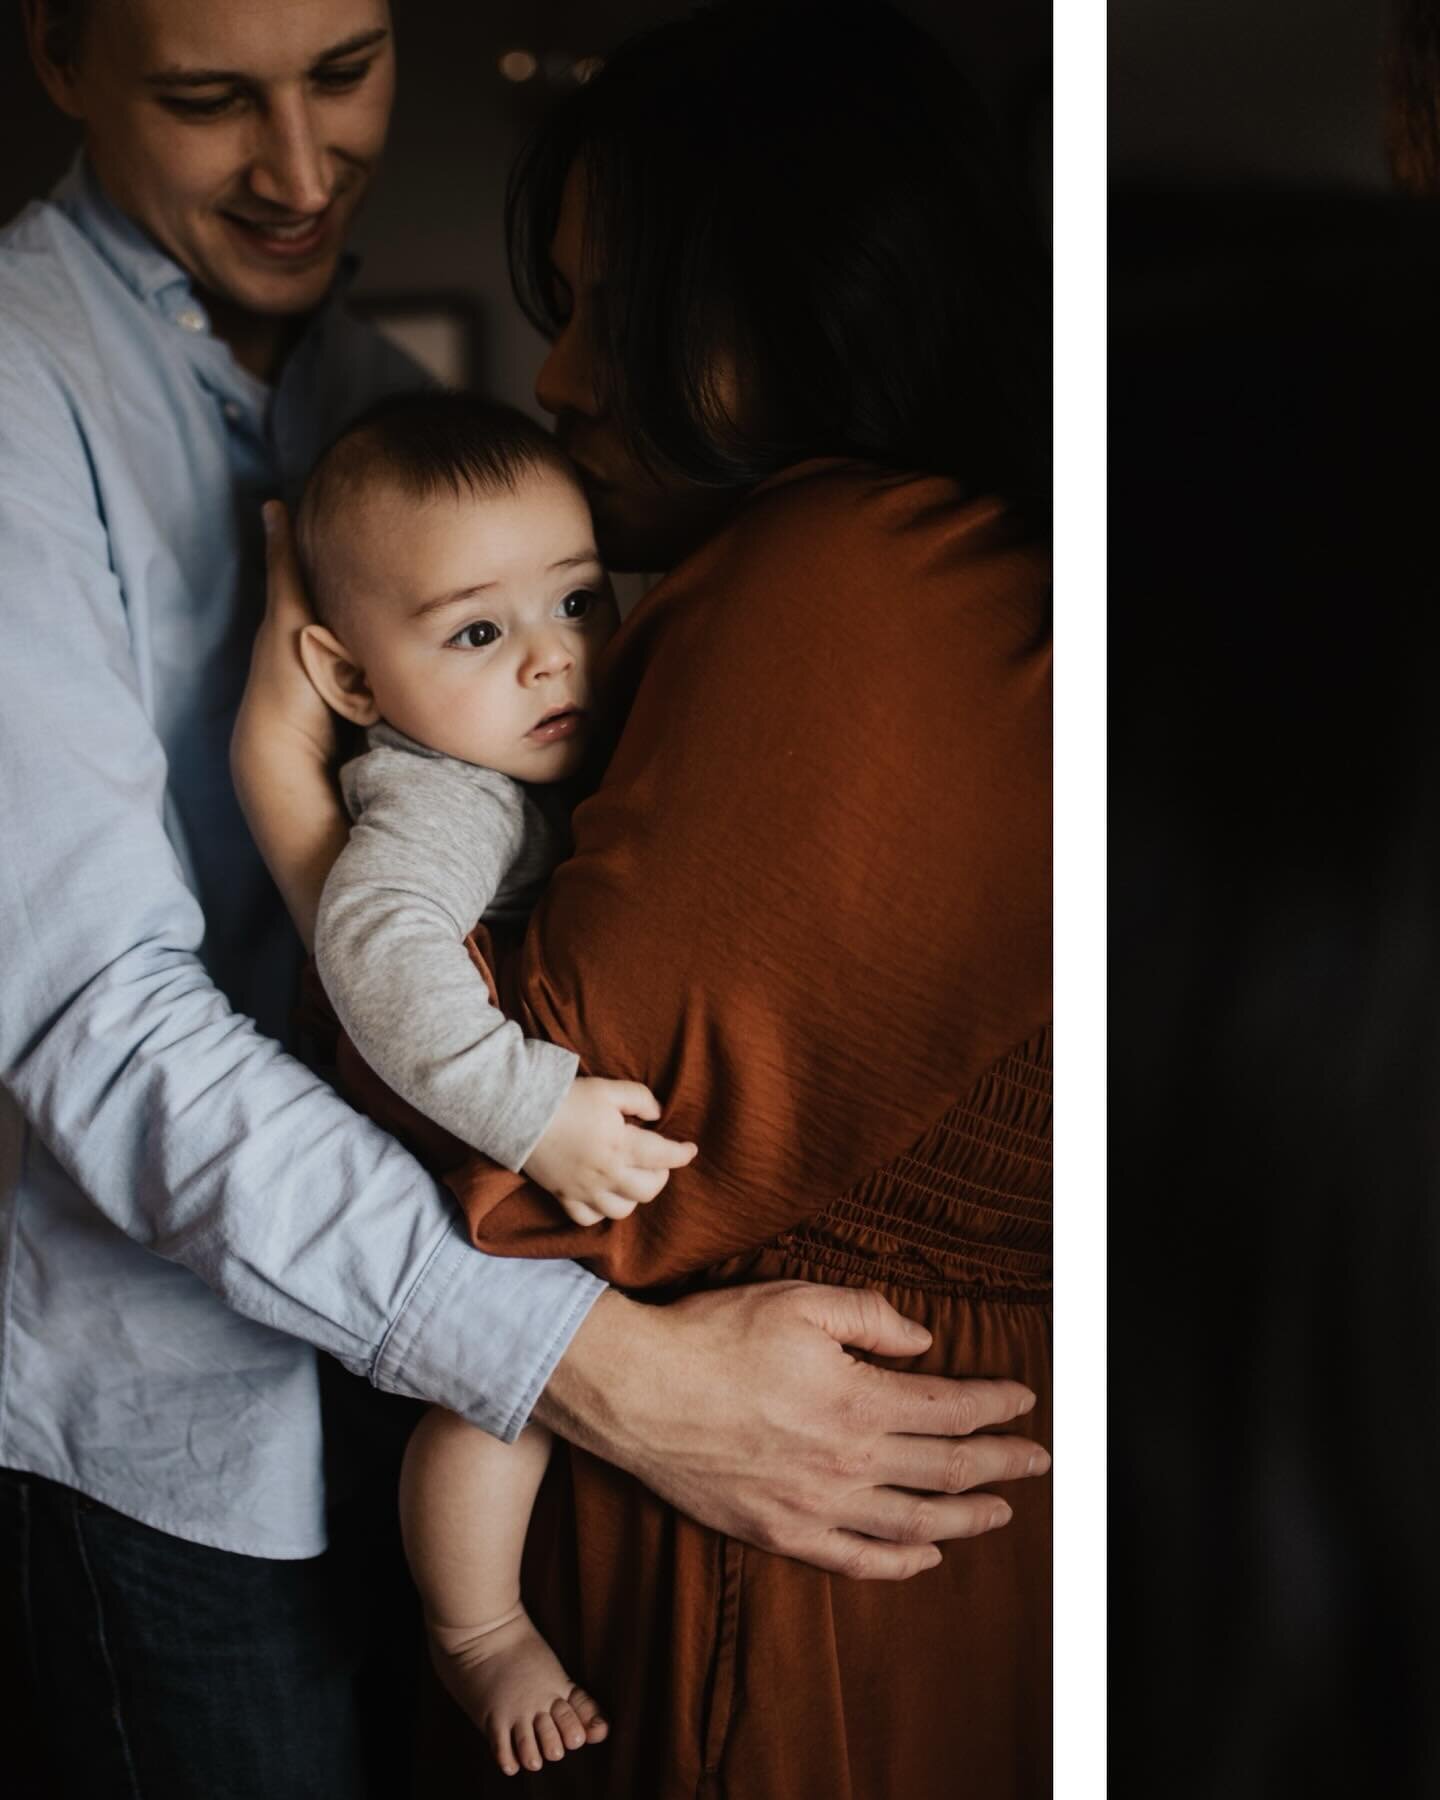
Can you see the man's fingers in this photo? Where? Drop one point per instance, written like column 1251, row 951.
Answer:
column 285, row 594
column 868, row 1559
column 862, row 1319
column 648, row 1150
column 900, row 1518
column 935, row 1406
column 955, row 1466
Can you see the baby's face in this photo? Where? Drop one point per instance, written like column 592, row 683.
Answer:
column 477, row 621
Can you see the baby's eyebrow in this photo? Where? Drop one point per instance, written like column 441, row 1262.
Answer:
column 466, row 593
column 580, row 559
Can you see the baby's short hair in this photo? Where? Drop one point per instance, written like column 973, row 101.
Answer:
column 422, row 444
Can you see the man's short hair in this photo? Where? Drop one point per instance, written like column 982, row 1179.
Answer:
column 420, row 445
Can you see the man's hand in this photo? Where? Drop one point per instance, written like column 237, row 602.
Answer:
column 279, row 695
column 285, row 743
column 743, row 1409
column 598, row 1164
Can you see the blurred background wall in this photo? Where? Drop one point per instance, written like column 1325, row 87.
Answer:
column 1279, row 90
column 1274, row 892
column 433, row 225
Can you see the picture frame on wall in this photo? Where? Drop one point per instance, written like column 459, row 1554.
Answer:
column 444, row 332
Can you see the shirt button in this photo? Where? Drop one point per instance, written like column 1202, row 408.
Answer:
column 190, row 318
column 232, row 411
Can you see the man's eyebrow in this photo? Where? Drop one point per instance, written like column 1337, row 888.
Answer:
column 352, row 46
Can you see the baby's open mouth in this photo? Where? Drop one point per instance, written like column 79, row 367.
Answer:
column 559, row 722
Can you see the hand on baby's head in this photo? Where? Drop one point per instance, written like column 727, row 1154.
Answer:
column 598, row 1163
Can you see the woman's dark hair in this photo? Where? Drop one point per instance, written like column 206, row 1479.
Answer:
column 1412, row 95
column 814, row 190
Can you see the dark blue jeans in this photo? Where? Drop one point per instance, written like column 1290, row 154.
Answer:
column 136, row 1665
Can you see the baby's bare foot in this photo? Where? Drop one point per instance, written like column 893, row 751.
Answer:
column 510, row 1682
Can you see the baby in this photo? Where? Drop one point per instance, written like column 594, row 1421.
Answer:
column 450, row 556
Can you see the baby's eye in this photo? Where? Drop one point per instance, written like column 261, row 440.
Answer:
column 478, row 636
column 576, row 605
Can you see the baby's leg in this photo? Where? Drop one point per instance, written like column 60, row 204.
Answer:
column 465, row 1502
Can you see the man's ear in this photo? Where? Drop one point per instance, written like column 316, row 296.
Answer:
column 57, row 77
column 336, row 676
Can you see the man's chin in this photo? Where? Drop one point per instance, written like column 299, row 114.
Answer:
column 272, row 294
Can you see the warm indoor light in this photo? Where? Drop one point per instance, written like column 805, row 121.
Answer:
column 518, row 65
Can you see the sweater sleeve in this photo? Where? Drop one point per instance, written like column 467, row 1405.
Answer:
column 809, row 904
column 432, row 844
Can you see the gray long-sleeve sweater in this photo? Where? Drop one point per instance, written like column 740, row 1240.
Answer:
column 438, row 844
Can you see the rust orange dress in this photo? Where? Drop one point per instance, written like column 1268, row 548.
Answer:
column 809, row 905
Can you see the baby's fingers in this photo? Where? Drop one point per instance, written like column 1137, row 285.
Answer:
column 648, row 1150
column 634, row 1099
column 615, row 1206
column 579, row 1213
column 639, row 1186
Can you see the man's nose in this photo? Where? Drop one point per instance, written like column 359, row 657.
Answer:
column 566, row 381
column 290, row 167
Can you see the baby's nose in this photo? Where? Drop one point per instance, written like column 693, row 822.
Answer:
column 549, row 656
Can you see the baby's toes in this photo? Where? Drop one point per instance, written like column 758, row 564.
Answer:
column 499, row 1736
column 567, row 1723
column 597, row 1727
column 525, row 1746
column 548, row 1738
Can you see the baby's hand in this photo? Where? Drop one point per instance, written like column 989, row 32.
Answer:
column 595, row 1162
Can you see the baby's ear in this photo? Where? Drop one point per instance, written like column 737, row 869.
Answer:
column 336, row 676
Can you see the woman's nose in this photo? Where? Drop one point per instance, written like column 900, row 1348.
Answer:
column 291, row 169
column 566, row 381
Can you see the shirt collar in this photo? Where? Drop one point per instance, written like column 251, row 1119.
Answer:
column 133, row 254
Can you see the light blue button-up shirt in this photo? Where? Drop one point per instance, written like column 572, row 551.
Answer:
column 185, row 1210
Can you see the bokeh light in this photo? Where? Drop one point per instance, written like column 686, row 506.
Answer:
column 518, row 65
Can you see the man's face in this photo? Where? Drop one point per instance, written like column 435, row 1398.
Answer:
column 241, row 134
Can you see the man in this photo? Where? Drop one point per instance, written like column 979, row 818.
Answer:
column 188, row 1211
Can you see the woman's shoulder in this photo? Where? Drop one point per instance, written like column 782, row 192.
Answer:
column 846, row 533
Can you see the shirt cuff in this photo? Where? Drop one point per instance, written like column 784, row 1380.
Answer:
column 481, row 1334
column 550, row 1074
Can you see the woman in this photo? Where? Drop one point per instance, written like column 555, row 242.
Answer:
column 798, row 340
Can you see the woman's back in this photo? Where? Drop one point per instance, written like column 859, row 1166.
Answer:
column 838, row 961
